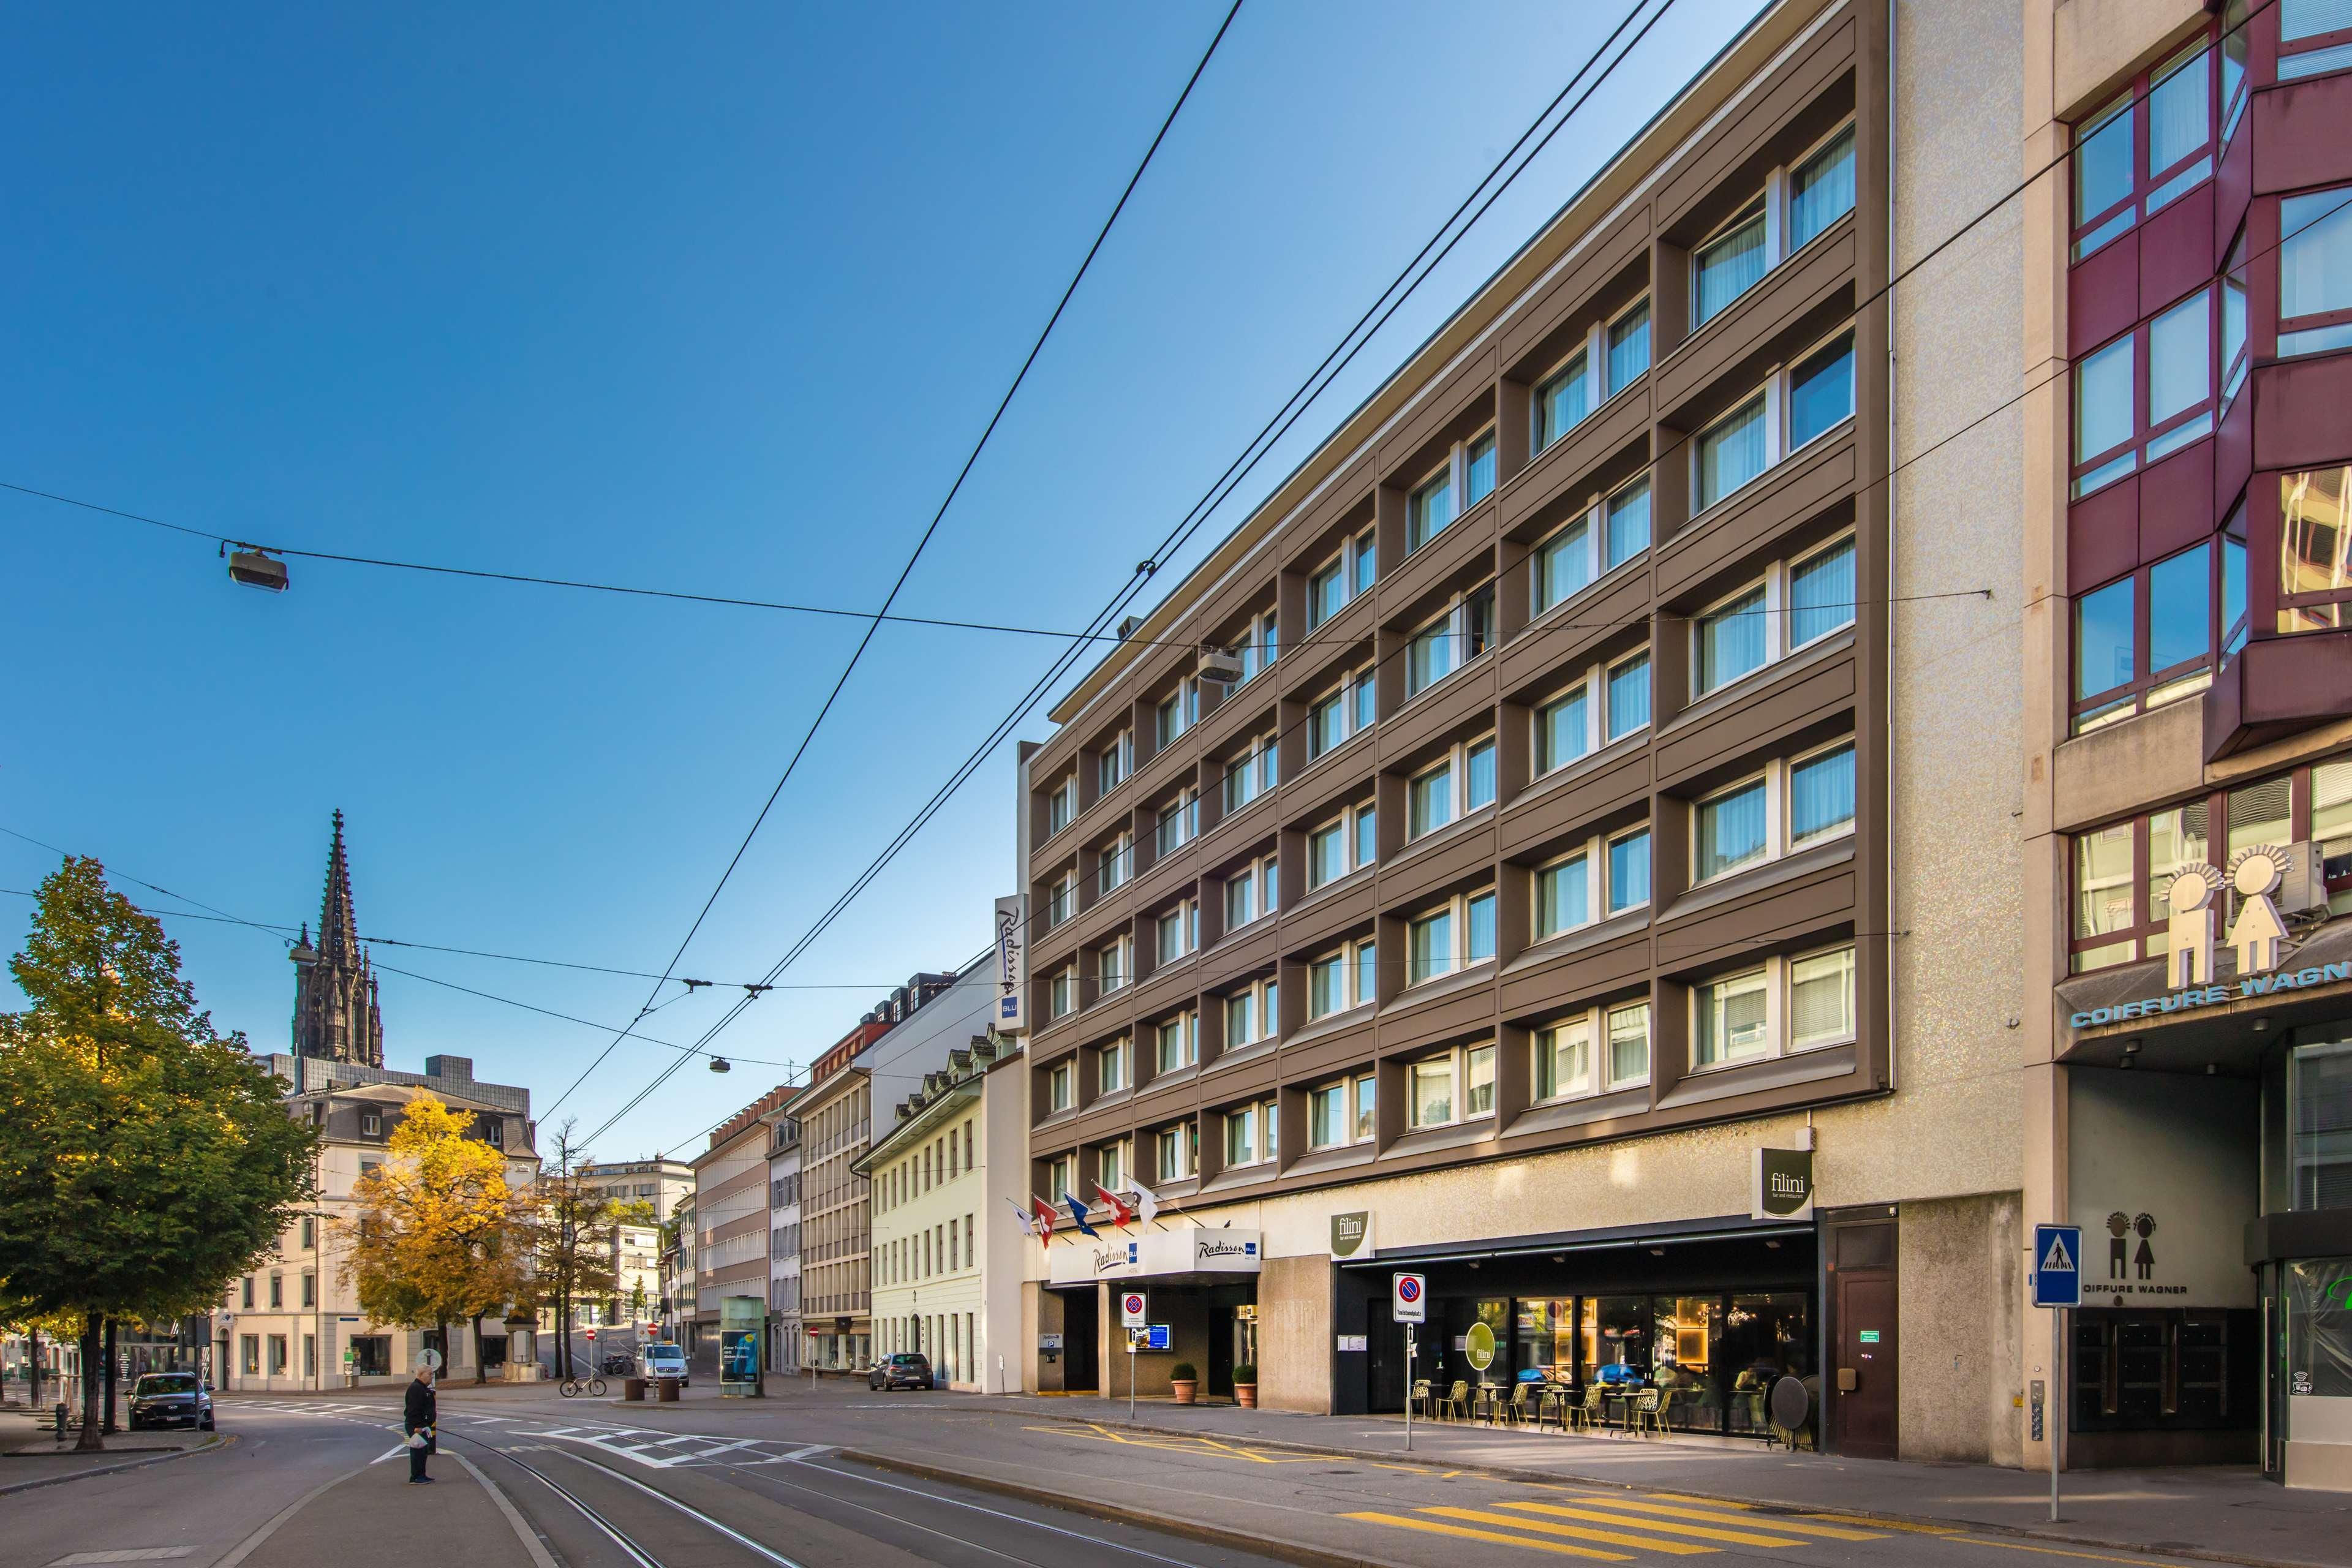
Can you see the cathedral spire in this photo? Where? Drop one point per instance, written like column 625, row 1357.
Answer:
column 339, row 934
column 336, row 1015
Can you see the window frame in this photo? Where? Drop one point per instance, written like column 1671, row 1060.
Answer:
column 1346, row 700
column 1458, row 910
column 1266, row 893
column 1611, row 671
column 1185, row 915
column 1114, row 1066
column 1183, row 813
column 1061, row 1086
column 1349, row 824
column 1263, row 995
column 1777, row 777
column 1456, row 763
column 1458, row 1061
column 1113, row 965
column 2150, row 192
column 1773, row 393
column 1771, row 203
column 1455, row 471
column 1259, row 768
column 1776, row 977
column 1466, row 627
column 1115, row 763
column 2148, row 689
column 1600, row 1075
column 1594, row 520
column 1183, row 1139
column 2328, row 330
column 1354, row 567
column 1116, row 867
column 2147, row 441
column 1777, row 581
column 1059, row 815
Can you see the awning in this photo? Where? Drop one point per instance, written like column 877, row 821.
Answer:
column 1728, row 1229
column 1173, row 1254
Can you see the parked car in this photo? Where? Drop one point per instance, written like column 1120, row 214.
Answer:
column 659, row 1361
column 170, row 1399
column 907, row 1369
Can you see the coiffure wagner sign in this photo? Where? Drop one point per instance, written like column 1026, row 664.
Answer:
column 2255, row 938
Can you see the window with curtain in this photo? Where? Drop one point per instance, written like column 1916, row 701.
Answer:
column 1563, row 401
column 1731, row 640
column 1820, row 392
column 1241, row 1136
column 1563, row 1059
column 1563, row 563
column 1326, row 1116
column 1241, row 1019
column 1326, row 986
column 1820, row 595
column 2306, row 45
column 1629, row 871
column 1563, row 730
column 1430, row 658
column 1430, row 803
column 1563, row 897
column 1820, row 795
column 1821, row 190
column 2104, row 384
column 1478, row 469
column 1366, row 969
column 1629, row 523
column 1821, row 999
column 1629, row 347
column 1367, row 1103
column 1629, row 1043
column 1731, row 1018
column 1479, row 1081
column 1430, row 510
column 1430, row 942
column 1326, row 855
column 1433, row 1092
column 1732, row 830
column 1731, row 452
column 1628, row 695
column 1481, row 933
column 1728, row 265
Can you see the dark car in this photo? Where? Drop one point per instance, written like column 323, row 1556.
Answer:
column 907, row 1369
column 170, row 1399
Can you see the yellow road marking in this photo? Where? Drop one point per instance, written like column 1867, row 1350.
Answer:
column 1769, row 1522
column 1576, row 1532
column 1735, row 1536
column 2046, row 1551
column 1466, row 1533
column 1207, row 1449
column 1863, row 1521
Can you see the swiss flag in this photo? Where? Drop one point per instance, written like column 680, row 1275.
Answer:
column 1120, row 1213
column 1044, row 1212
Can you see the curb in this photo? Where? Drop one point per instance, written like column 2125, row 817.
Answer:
column 1142, row 1519
column 1553, row 1477
column 219, row 1439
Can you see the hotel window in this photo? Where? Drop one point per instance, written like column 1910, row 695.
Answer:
column 1798, row 206
column 1176, row 1151
column 1113, row 965
column 1763, row 622
column 1563, row 398
column 1251, row 1014
column 1745, row 823
column 1111, row 1162
column 1346, row 844
column 1728, row 264
column 1563, row 895
column 1629, row 695
column 2316, row 263
column 1061, row 900
column 1251, row 893
column 1059, row 1084
column 1565, row 1061
column 1061, row 807
column 1062, row 993
column 1260, row 645
column 1730, row 639
column 1176, row 713
column 1341, row 980
column 1179, row 824
column 2125, row 418
column 1563, row 729
column 1431, row 1088
column 1798, row 404
column 1061, row 1176
column 1335, row 585
column 1464, row 631
column 2170, row 115
column 1117, row 864
column 1628, row 1044
column 1113, row 1065
column 2147, row 639
column 1461, row 482
column 1820, row 189
column 1115, row 761
column 1452, row 1088
column 1176, row 1043
column 1176, row 933
column 1251, row 773
column 1629, row 871
column 1341, row 715
column 1243, row 1146
column 1629, row 347
column 1453, row 936
column 1784, row 1004
column 1326, row 1116
column 1462, row 783
column 1606, row 535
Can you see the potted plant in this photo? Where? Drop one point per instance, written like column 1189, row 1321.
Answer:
column 1245, row 1385
column 1185, row 1379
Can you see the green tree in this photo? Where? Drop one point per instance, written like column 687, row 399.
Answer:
column 576, row 1229
column 145, row 1161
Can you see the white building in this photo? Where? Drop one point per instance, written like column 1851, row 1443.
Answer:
column 657, row 1183
column 783, row 1242
column 947, row 1265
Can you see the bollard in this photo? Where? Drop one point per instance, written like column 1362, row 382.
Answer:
column 669, row 1391
column 633, row 1389
column 61, row 1415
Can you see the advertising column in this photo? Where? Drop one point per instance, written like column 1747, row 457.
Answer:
column 740, row 1320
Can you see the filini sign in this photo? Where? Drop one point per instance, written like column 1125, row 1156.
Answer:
column 1784, row 1184
column 1351, row 1234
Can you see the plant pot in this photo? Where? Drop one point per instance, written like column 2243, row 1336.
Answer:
column 1245, row 1395
column 1186, row 1390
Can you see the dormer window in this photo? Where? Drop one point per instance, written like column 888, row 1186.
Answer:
column 371, row 1123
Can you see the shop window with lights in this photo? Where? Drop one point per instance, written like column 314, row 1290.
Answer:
column 2153, row 144
column 2149, row 392
column 2149, row 638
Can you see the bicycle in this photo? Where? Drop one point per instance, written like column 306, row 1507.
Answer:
column 573, row 1387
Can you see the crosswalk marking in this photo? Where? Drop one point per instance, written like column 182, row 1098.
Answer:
column 1724, row 1514
column 1703, row 1532
column 1577, row 1532
column 1467, row 1533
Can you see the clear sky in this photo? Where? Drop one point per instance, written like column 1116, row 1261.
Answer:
column 713, row 299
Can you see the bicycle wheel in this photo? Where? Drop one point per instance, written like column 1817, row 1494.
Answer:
column 595, row 1388
column 571, row 1387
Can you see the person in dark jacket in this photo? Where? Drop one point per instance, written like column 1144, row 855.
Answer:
column 420, row 1414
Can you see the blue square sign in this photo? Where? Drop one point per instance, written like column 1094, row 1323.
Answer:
column 2057, row 1265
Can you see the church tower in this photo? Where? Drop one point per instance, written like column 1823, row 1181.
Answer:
column 336, row 1016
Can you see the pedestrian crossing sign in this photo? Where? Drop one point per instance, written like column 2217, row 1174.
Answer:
column 2057, row 1266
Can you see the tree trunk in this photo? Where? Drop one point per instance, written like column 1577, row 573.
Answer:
column 110, row 1376
column 441, row 1332
column 92, row 1439
column 33, row 1373
column 481, row 1366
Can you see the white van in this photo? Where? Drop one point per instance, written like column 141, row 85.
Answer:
column 659, row 1361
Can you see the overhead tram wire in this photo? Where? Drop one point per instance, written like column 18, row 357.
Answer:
column 2063, row 364
column 866, row 638
column 1284, row 417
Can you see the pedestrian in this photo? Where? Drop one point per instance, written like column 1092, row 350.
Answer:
column 418, row 1417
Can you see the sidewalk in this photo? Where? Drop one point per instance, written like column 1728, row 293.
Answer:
column 371, row 1520
column 2225, row 1513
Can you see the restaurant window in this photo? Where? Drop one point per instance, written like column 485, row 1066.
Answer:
column 2149, row 392
column 1176, row 1042
column 1464, row 632
column 2142, row 152
column 2315, row 554
column 2148, row 639
column 1338, row 583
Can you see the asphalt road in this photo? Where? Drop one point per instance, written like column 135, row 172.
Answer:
column 841, row 1477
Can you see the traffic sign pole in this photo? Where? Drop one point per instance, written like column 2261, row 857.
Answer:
column 2057, row 1285
column 1409, row 1305
column 1408, row 1388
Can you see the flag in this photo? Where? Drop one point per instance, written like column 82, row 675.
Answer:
column 1120, row 1213
column 1147, row 1201
column 1044, row 1212
column 1028, row 1224
column 1078, row 1212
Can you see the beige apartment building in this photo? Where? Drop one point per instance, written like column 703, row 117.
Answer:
column 1587, row 782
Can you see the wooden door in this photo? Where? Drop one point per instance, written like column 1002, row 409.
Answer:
column 1869, row 1342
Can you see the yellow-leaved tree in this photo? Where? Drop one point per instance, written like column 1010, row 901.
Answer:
column 440, row 1236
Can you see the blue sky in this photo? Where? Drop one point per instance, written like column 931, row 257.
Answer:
column 713, row 300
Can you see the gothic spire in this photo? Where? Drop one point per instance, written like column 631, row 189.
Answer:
column 337, row 1015
column 339, row 935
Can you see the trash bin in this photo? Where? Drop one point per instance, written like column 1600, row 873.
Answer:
column 634, row 1389
column 669, row 1391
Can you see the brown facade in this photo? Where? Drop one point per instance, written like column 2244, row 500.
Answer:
column 1822, row 685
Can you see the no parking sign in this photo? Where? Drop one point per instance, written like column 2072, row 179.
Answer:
column 1409, row 1298
column 1134, row 1309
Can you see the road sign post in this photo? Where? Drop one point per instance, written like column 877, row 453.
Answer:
column 1135, row 1316
column 2057, row 1285
column 1409, row 1305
